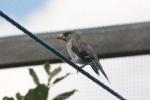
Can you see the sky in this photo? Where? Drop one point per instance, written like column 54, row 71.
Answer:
column 20, row 9
column 128, row 75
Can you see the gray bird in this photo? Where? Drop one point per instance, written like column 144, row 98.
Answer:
column 81, row 52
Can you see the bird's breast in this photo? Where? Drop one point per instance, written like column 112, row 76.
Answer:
column 72, row 54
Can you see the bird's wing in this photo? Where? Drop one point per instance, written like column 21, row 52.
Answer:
column 85, row 52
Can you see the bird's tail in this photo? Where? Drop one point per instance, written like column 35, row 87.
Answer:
column 97, row 66
column 94, row 68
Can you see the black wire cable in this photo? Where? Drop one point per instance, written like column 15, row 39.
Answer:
column 58, row 54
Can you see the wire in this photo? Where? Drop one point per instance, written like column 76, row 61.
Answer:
column 58, row 54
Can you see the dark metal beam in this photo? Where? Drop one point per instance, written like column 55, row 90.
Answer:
column 112, row 41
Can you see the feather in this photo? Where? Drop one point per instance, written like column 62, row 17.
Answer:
column 98, row 66
column 94, row 68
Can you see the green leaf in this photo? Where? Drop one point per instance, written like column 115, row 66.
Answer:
column 54, row 73
column 19, row 96
column 34, row 76
column 61, row 78
column 47, row 68
column 38, row 93
column 65, row 96
column 8, row 98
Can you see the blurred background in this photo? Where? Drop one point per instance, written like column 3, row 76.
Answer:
column 128, row 75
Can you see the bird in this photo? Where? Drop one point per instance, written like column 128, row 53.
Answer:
column 81, row 52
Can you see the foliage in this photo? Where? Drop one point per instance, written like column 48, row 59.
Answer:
column 40, row 92
column 8, row 98
column 64, row 96
column 34, row 76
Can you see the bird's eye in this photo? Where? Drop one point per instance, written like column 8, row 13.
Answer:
column 62, row 36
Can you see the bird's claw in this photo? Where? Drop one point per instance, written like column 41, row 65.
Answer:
column 81, row 68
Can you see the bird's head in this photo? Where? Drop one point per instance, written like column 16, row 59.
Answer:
column 66, row 36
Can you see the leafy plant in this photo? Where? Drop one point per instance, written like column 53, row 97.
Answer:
column 64, row 96
column 40, row 92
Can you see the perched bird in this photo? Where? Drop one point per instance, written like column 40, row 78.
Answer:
column 81, row 52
